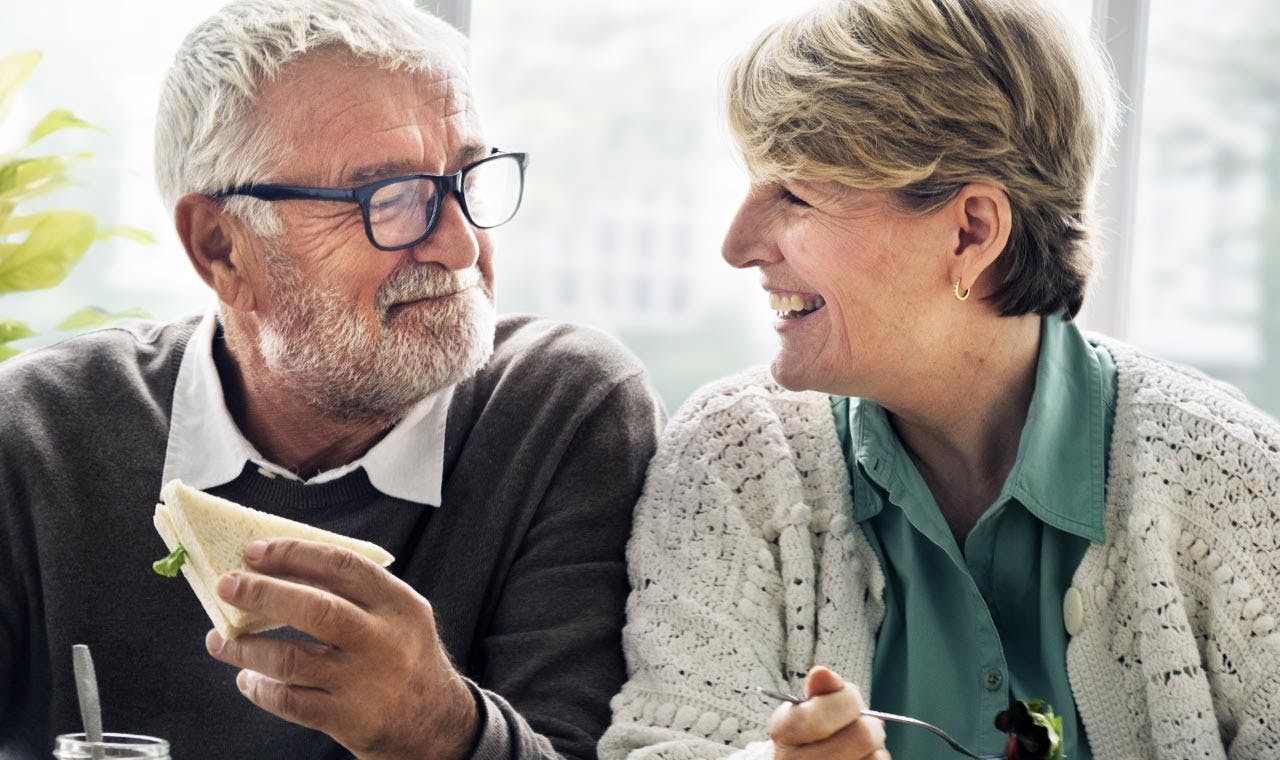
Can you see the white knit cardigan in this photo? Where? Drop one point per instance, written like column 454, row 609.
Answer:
column 747, row 570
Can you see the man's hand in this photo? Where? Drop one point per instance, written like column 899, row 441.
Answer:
column 829, row 725
column 381, row 684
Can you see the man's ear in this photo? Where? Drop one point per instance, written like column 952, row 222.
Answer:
column 982, row 219
column 212, row 238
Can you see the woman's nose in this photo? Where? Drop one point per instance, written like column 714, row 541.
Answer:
column 748, row 242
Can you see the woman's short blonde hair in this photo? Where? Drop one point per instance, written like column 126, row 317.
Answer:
column 921, row 97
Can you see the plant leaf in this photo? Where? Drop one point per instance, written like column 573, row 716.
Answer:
column 25, row 178
column 15, row 224
column 93, row 316
column 12, row 329
column 59, row 118
column 128, row 233
column 8, row 352
column 14, row 70
column 48, row 254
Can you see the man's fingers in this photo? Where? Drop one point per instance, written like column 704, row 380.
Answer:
column 819, row 717
column 861, row 740
column 324, row 615
column 339, row 570
column 313, row 708
column 297, row 663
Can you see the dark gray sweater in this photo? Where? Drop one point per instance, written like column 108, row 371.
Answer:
column 523, row 563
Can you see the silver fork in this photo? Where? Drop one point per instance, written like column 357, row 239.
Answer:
column 957, row 746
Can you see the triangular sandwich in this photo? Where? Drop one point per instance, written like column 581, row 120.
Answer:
column 213, row 533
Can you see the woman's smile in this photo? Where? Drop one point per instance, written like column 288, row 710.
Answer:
column 794, row 310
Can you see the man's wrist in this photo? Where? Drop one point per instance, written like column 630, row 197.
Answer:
column 465, row 721
column 450, row 733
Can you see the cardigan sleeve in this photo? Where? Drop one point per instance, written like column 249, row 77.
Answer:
column 708, row 615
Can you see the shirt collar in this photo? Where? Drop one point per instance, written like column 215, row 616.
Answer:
column 1059, row 473
column 207, row 449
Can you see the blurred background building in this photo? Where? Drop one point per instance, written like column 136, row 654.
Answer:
column 633, row 178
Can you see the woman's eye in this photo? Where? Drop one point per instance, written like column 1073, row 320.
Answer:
column 792, row 198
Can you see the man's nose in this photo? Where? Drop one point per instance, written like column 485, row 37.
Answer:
column 453, row 242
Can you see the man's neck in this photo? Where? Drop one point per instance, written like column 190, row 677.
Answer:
column 286, row 430
column 964, row 438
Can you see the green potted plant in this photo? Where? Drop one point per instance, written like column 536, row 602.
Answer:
column 39, row 249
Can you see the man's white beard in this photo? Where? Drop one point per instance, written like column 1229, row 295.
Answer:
column 350, row 369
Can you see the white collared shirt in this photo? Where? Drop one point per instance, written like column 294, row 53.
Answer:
column 206, row 449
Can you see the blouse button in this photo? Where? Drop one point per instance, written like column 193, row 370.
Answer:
column 1073, row 611
column 992, row 679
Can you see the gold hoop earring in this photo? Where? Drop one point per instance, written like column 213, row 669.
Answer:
column 966, row 292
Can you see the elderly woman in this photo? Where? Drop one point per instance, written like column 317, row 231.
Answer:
column 942, row 491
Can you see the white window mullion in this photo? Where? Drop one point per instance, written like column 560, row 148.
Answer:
column 456, row 12
column 1121, row 25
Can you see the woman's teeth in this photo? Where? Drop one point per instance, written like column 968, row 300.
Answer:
column 791, row 306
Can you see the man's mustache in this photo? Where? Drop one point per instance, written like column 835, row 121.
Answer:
column 415, row 283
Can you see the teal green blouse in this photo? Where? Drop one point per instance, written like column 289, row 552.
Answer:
column 964, row 633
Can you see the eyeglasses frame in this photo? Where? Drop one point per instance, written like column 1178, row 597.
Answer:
column 362, row 195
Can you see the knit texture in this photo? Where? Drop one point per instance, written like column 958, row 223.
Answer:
column 523, row 564
column 746, row 571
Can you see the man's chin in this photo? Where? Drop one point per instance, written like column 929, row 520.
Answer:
column 457, row 344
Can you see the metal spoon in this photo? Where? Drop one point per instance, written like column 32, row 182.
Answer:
column 87, row 693
column 957, row 746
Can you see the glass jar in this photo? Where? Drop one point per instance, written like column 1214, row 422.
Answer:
column 77, row 747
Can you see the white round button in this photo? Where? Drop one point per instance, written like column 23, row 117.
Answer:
column 1073, row 611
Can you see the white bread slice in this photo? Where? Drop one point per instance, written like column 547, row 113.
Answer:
column 214, row 533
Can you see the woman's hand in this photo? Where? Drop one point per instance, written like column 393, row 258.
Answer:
column 829, row 725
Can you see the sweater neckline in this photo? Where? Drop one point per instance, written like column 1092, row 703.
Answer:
column 259, row 485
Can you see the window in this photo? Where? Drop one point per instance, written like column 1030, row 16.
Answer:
column 633, row 175
column 619, row 107
column 1205, row 273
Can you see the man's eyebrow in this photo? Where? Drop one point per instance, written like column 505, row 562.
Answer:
column 370, row 173
column 373, row 172
column 473, row 152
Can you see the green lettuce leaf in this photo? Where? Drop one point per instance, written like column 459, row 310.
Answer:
column 1042, row 715
column 168, row 567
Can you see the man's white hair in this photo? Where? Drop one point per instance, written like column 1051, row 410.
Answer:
column 208, row 138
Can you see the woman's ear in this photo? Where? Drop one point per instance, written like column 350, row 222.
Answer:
column 983, row 219
column 213, row 240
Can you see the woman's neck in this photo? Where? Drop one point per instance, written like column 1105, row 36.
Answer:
column 961, row 424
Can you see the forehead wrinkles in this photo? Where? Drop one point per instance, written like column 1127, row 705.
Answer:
column 326, row 103
column 446, row 102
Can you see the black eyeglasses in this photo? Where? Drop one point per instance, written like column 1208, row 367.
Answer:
column 400, row 212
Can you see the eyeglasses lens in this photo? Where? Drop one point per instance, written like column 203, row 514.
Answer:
column 492, row 191
column 400, row 212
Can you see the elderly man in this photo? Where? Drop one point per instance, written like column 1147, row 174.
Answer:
column 332, row 185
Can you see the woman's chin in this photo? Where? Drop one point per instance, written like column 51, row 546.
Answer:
column 790, row 374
